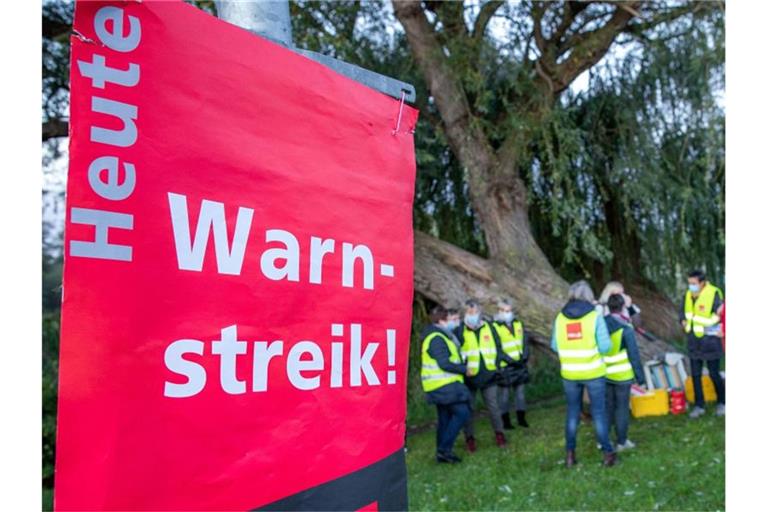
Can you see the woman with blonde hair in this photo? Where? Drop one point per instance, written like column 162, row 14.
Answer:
column 630, row 311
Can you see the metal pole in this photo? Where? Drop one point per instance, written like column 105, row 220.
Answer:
column 267, row 18
column 272, row 19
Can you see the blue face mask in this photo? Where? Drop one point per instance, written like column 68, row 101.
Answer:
column 472, row 320
column 694, row 288
column 452, row 324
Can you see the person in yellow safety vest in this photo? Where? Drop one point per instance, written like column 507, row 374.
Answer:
column 701, row 323
column 622, row 367
column 481, row 348
column 442, row 378
column 580, row 336
column 514, row 374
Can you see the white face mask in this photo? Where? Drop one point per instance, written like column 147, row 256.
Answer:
column 505, row 316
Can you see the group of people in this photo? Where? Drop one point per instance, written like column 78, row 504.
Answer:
column 596, row 345
column 461, row 357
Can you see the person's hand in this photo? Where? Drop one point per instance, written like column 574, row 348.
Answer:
column 627, row 300
column 683, row 322
column 468, row 373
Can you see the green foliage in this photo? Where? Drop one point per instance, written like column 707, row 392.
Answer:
column 678, row 464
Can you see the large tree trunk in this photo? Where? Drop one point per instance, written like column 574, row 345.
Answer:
column 448, row 275
column 516, row 267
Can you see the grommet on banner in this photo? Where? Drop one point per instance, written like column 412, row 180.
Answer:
column 400, row 113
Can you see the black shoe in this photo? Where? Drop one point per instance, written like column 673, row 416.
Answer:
column 446, row 458
column 453, row 457
column 507, row 422
column 521, row 419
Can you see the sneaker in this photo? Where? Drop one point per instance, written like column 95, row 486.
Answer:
column 454, row 457
column 609, row 459
column 471, row 445
column 501, row 440
column 696, row 412
column 628, row 445
column 720, row 411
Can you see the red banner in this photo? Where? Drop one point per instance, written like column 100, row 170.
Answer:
column 238, row 273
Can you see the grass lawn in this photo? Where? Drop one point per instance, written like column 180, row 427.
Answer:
column 679, row 464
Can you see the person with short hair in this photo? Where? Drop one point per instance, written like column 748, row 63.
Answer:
column 701, row 323
column 513, row 371
column 580, row 337
column 623, row 366
column 481, row 349
column 442, row 378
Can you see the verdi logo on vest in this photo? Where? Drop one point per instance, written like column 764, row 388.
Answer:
column 573, row 330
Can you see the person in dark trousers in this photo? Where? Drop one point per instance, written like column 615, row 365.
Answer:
column 514, row 344
column 442, row 378
column 622, row 366
column 481, row 349
column 700, row 321
column 580, row 336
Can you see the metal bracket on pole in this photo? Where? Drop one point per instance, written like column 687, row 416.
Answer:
column 272, row 19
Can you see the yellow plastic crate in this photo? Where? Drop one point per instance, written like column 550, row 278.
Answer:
column 706, row 385
column 653, row 403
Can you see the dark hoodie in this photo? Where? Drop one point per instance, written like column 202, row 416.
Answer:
column 576, row 309
column 438, row 350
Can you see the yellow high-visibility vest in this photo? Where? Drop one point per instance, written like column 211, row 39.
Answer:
column 511, row 339
column 699, row 315
column 617, row 365
column 432, row 376
column 577, row 347
column 477, row 345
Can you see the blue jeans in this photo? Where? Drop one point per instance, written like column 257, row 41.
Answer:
column 574, row 389
column 450, row 419
column 617, row 403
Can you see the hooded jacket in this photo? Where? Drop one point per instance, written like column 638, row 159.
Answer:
column 576, row 309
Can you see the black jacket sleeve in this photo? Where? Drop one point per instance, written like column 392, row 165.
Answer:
column 526, row 344
column 629, row 342
column 438, row 350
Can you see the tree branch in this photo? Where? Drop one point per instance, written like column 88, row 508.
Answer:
column 484, row 16
column 592, row 47
column 466, row 139
column 55, row 128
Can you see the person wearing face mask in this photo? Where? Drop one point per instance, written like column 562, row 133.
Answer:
column 700, row 321
column 514, row 346
column 481, row 348
column 580, row 337
column 622, row 367
column 442, row 378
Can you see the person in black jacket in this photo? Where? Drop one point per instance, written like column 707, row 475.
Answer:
column 442, row 377
column 481, row 347
column 514, row 373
